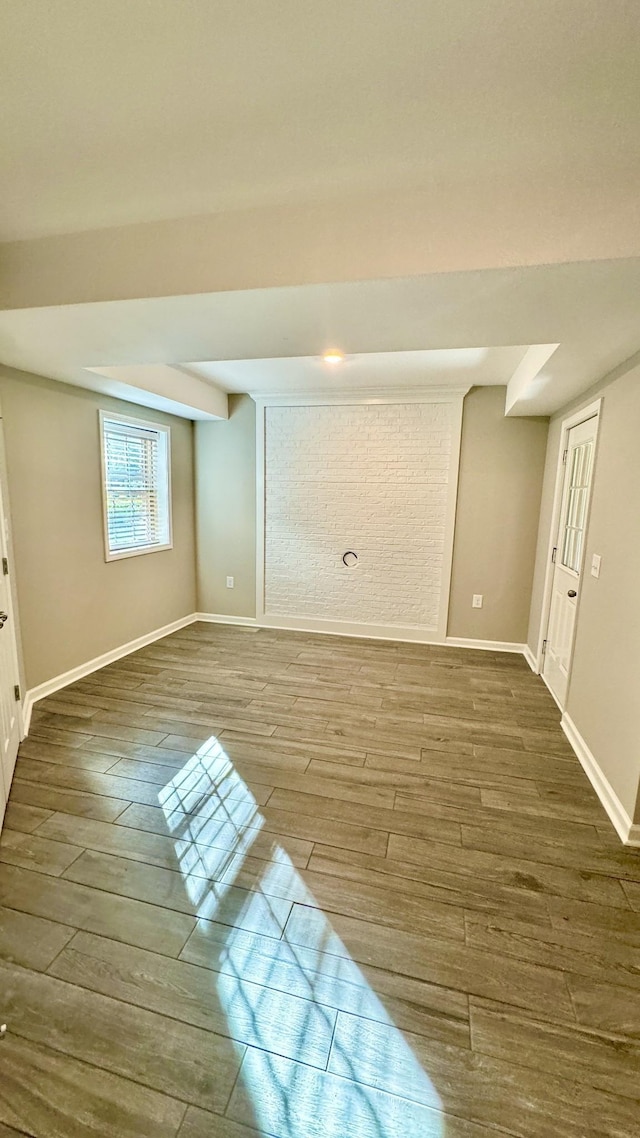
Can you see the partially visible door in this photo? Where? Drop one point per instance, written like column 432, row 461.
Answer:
column 569, row 556
column 10, row 707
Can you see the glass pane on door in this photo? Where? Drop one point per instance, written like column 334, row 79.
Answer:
column 576, row 505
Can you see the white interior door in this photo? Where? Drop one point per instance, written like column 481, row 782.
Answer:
column 10, row 706
column 569, row 556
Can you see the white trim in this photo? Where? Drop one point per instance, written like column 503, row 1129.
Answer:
column 530, row 658
column 414, row 633
column 551, row 691
column 27, row 708
column 333, row 397
column 485, row 645
column 221, row 618
column 455, row 396
column 408, row 634
column 329, row 628
column 12, row 632
column 627, row 832
column 137, row 552
column 261, row 489
column 61, row 681
column 591, row 411
column 450, row 514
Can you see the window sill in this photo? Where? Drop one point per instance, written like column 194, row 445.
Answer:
column 121, row 554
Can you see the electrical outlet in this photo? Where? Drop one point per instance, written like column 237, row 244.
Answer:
column 595, row 565
column 230, row 582
column 476, row 603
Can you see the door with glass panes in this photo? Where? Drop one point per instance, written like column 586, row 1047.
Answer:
column 569, row 556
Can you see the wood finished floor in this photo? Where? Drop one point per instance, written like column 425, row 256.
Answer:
column 267, row 882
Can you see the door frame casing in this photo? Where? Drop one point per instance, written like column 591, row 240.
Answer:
column 590, row 411
column 13, row 628
column 454, row 396
column 13, row 591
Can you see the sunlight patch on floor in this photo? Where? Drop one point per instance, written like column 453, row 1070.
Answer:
column 357, row 1076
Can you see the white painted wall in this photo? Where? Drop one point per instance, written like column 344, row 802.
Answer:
column 376, row 479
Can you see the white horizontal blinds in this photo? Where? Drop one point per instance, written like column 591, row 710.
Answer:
column 133, row 486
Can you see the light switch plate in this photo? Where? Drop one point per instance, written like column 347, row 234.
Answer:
column 476, row 603
column 230, row 582
column 595, row 565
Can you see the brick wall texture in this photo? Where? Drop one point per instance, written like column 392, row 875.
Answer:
column 370, row 478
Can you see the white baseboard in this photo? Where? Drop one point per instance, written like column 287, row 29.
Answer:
column 530, row 658
column 408, row 634
column 50, row 686
column 626, row 830
column 484, row 645
column 331, row 628
column 360, row 630
column 551, row 692
column 221, row 618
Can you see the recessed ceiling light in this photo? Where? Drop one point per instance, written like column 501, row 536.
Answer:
column 333, row 357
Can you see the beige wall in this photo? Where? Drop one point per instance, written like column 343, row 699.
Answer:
column 499, row 488
column 603, row 699
column 500, row 483
column 73, row 605
column 226, row 510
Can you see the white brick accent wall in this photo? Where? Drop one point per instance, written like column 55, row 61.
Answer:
column 370, row 478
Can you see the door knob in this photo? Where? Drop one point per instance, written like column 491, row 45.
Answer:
column 572, row 593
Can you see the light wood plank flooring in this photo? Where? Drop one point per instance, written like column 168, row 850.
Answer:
column 257, row 882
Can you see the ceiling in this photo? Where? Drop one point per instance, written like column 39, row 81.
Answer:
column 389, row 371
column 122, row 112
column 415, row 182
column 157, row 351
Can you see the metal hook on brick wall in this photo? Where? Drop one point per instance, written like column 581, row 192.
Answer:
column 349, row 553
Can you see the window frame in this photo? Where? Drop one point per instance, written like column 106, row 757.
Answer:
column 164, row 433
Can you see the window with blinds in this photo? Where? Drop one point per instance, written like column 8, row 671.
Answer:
column 135, row 463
